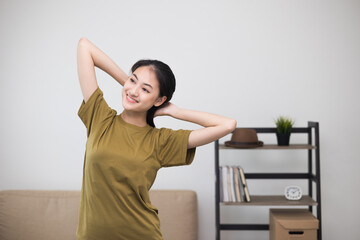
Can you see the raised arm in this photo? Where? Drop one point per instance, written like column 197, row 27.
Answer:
column 215, row 126
column 89, row 57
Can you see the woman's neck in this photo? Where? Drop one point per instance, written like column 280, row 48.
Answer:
column 138, row 119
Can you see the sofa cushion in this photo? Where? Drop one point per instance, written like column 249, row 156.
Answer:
column 27, row 215
column 53, row 215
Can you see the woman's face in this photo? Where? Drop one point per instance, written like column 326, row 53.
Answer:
column 141, row 91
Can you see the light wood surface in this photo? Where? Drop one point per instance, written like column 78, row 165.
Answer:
column 275, row 200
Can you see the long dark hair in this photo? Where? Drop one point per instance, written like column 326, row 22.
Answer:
column 166, row 79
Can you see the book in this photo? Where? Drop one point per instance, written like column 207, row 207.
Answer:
column 243, row 180
column 241, row 186
column 221, row 190
column 237, row 184
column 228, row 180
column 232, row 184
column 224, row 184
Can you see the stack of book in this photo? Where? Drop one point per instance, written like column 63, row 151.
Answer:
column 233, row 187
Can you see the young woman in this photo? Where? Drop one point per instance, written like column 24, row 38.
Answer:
column 125, row 151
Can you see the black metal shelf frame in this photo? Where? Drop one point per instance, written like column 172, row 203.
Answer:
column 312, row 132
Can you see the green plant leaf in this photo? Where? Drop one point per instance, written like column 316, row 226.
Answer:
column 284, row 124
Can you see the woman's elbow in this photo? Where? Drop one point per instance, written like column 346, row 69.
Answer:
column 83, row 42
column 231, row 125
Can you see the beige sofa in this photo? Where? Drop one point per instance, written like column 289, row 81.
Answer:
column 53, row 215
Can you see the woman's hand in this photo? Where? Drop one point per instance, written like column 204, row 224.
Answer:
column 168, row 109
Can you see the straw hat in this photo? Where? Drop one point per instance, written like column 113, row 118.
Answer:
column 244, row 138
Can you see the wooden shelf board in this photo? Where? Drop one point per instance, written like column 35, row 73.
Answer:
column 272, row 146
column 272, row 200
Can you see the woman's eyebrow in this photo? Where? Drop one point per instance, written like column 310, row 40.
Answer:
column 146, row 84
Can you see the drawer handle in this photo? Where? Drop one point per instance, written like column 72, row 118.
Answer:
column 296, row 232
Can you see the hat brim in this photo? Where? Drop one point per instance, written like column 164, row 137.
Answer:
column 244, row 145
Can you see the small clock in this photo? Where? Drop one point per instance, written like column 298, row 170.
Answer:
column 293, row 193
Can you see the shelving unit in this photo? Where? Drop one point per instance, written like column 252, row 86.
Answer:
column 312, row 176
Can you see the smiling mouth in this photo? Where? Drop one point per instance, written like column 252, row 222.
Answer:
column 130, row 99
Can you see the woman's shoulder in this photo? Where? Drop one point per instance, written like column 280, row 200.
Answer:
column 162, row 131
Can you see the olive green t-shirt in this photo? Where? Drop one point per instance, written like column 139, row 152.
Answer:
column 120, row 165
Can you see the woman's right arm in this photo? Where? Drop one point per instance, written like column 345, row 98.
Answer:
column 89, row 57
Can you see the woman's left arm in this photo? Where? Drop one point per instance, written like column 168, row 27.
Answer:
column 215, row 126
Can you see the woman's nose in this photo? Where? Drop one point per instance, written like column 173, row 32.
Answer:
column 135, row 91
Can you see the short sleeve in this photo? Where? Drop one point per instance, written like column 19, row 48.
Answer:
column 95, row 111
column 173, row 148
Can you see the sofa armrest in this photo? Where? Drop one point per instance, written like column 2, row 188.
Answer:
column 178, row 213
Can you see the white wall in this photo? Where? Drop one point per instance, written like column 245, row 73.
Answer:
column 250, row 60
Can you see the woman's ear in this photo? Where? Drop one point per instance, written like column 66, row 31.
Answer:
column 160, row 101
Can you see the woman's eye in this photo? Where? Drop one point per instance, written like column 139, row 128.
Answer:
column 132, row 80
column 145, row 90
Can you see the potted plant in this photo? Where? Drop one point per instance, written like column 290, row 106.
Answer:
column 283, row 130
